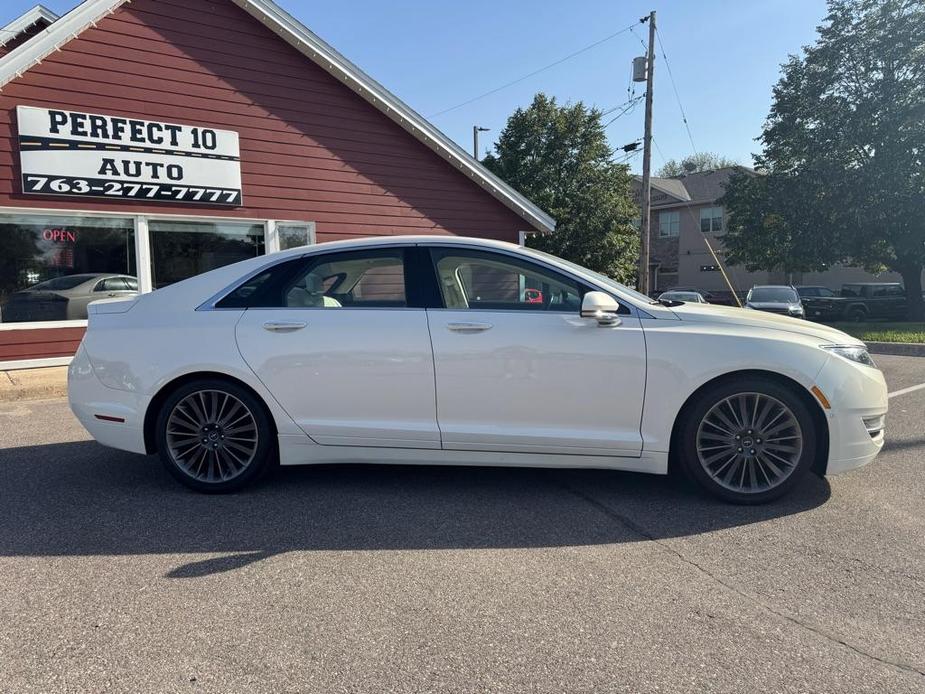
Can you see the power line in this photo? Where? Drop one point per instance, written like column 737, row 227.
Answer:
column 674, row 87
column 629, row 108
column 535, row 72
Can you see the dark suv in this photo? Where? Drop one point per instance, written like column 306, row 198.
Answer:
column 858, row 301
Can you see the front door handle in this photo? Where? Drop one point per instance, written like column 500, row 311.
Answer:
column 469, row 327
column 283, row 326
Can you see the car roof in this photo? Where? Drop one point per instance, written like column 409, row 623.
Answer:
column 398, row 240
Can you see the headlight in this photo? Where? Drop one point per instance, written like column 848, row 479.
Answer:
column 857, row 353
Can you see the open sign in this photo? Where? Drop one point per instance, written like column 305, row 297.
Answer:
column 60, row 235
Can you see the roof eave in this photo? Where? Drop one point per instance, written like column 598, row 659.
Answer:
column 13, row 30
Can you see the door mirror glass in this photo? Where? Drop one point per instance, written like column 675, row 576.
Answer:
column 600, row 306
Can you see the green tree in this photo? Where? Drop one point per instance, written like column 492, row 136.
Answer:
column 843, row 148
column 693, row 163
column 558, row 156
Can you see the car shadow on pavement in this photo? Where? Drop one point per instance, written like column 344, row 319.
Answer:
column 81, row 499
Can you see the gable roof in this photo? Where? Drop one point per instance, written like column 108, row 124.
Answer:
column 699, row 187
column 14, row 29
column 322, row 54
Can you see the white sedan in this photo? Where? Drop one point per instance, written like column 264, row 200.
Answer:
column 455, row 351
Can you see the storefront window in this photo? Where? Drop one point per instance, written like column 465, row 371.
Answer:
column 52, row 266
column 182, row 249
column 293, row 235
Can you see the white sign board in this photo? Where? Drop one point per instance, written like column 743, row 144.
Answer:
column 91, row 155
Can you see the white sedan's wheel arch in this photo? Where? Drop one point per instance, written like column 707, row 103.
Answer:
column 815, row 409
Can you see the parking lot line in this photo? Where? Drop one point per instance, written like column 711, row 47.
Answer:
column 903, row 391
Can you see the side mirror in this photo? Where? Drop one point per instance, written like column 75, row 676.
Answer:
column 600, row 306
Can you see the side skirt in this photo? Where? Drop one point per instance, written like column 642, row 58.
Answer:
column 299, row 450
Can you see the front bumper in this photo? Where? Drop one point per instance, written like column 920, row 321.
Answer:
column 856, row 393
column 90, row 400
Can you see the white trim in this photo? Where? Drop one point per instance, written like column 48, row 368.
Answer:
column 143, row 255
column 44, row 324
column 34, row 363
column 270, row 237
column 24, row 21
column 327, row 58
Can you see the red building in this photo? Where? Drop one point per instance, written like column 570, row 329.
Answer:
column 143, row 142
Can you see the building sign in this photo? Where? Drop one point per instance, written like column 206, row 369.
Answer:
column 89, row 155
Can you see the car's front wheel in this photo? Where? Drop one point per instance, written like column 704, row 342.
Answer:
column 748, row 440
column 214, row 436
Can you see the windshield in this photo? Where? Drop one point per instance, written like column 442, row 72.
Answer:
column 680, row 296
column 603, row 279
column 777, row 295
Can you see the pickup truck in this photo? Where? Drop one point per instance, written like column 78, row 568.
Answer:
column 858, row 301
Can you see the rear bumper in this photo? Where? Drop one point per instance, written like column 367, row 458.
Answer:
column 90, row 401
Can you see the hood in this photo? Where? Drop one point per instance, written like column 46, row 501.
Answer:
column 729, row 315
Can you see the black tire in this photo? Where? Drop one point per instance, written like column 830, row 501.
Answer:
column 856, row 314
column 695, row 428
column 223, row 466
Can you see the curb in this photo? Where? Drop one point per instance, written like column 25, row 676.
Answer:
column 899, row 349
column 33, row 384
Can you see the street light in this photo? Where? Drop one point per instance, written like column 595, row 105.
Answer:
column 476, row 129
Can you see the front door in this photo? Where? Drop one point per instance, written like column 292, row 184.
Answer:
column 517, row 368
column 336, row 342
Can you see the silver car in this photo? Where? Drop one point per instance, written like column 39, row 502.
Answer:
column 66, row 298
column 776, row 299
column 687, row 297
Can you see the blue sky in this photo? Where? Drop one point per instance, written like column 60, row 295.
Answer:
column 725, row 57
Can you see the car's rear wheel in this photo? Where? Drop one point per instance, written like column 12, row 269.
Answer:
column 748, row 441
column 856, row 314
column 214, row 436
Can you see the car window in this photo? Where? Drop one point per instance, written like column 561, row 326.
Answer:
column 889, row 290
column 114, row 284
column 361, row 279
column 485, row 280
column 808, row 291
column 851, row 290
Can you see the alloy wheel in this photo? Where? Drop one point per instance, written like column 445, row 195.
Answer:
column 212, row 436
column 749, row 442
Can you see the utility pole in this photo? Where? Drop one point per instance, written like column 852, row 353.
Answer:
column 476, row 129
column 644, row 225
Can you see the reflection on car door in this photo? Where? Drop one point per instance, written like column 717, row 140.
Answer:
column 342, row 350
column 518, row 375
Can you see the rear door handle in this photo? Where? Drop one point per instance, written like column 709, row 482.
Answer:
column 283, row 326
column 469, row 327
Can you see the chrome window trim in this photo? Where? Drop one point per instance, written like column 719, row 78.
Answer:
column 209, row 304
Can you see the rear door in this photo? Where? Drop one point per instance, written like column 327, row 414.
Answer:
column 339, row 342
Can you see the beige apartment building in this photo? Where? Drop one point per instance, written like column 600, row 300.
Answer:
column 687, row 220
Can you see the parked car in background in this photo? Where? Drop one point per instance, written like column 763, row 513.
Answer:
column 67, row 297
column 302, row 357
column 708, row 297
column 686, row 297
column 811, row 292
column 775, row 299
column 859, row 301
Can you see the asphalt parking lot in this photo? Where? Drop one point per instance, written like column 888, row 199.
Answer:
column 405, row 579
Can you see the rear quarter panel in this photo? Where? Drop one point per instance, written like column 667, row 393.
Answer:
column 151, row 345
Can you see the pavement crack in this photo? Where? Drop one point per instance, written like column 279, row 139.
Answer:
column 812, row 628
